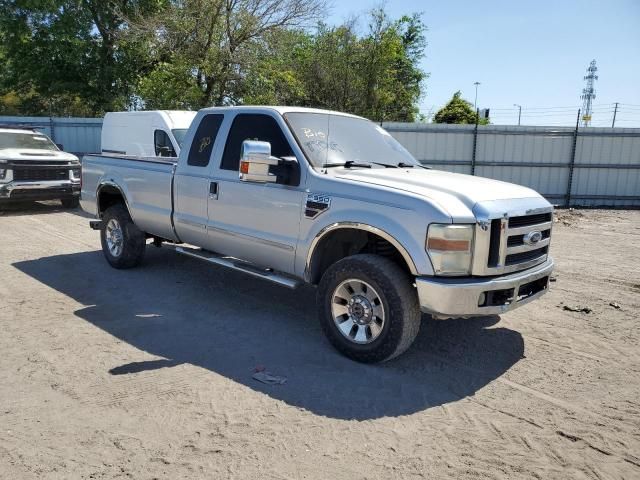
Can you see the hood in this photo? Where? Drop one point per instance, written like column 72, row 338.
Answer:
column 17, row 154
column 453, row 192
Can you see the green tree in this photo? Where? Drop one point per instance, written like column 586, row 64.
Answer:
column 62, row 56
column 85, row 57
column 207, row 56
column 275, row 77
column 375, row 74
column 212, row 45
column 458, row 110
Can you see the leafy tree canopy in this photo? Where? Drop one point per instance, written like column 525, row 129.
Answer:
column 57, row 52
column 85, row 57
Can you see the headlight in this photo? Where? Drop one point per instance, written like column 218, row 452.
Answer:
column 450, row 248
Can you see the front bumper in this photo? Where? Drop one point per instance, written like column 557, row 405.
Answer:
column 467, row 297
column 44, row 190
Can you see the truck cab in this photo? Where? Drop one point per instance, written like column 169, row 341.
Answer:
column 297, row 195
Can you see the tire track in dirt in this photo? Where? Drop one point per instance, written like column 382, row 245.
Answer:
column 548, row 430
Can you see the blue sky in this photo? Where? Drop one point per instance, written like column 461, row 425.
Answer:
column 532, row 53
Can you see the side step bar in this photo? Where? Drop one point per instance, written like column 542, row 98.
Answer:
column 239, row 265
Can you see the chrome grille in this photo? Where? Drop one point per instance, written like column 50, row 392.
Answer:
column 527, row 220
column 516, row 258
column 509, row 243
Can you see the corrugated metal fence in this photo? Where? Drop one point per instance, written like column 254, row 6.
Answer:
column 569, row 166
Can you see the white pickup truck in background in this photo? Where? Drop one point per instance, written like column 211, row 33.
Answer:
column 32, row 167
column 151, row 133
column 297, row 195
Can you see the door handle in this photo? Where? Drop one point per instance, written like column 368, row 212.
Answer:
column 213, row 190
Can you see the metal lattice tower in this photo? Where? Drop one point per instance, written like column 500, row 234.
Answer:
column 588, row 93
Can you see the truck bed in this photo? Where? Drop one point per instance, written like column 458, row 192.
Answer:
column 146, row 183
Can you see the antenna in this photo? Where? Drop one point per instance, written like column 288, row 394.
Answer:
column 588, row 93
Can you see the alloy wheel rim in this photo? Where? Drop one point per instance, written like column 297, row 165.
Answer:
column 114, row 237
column 357, row 311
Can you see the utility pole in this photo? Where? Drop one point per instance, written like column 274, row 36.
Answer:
column 475, row 102
column 588, row 93
column 519, row 111
column 615, row 110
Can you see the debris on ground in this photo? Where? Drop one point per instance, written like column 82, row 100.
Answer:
column 567, row 217
column 577, row 308
column 269, row 378
column 615, row 305
column 553, row 279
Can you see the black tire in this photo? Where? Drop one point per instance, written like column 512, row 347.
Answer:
column 71, row 202
column 399, row 299
column 133, row 239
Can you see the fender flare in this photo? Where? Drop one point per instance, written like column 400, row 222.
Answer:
column 111, row 184
column 357, row 226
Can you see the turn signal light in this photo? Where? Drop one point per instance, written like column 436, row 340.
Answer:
column 443, row 244
column 244, row 167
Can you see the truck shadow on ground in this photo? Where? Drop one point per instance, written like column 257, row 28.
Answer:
column 18, row 209
column 185, row 311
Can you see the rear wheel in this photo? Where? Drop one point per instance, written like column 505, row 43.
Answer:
column 71, row 202
column 368, row 308
column 123, row 243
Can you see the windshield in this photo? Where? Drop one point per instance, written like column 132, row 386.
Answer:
column 330, row 140
column 34, row 141
column 179, row 134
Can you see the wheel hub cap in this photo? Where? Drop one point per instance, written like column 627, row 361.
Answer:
column 358, row 311
column 114, row 237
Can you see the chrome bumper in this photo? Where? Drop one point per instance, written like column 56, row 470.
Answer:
column 462, row 297
column 38, row 190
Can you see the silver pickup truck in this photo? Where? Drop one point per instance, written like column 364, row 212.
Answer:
column 296, row 195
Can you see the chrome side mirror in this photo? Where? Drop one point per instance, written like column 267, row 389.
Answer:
column 256, row 161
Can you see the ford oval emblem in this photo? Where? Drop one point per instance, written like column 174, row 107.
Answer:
column 533, row 237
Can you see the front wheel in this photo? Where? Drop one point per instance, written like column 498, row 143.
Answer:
column 123, row 243
column 368, row 308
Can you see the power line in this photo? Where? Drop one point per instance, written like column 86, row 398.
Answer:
column 552, row 110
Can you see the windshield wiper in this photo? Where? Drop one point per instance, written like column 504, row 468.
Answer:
column 347, row 164
column 353, row 163
column 411, row 165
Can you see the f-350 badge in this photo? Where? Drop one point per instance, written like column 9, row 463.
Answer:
column 316, row 204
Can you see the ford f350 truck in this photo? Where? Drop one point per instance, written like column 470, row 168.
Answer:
column 295, row 195
column 32, row 167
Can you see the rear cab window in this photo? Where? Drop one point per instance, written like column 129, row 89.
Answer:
column 204, row 139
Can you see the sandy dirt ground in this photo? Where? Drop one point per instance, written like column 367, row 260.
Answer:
column 147, row 373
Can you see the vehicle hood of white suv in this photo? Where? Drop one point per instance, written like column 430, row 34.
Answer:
column 17, row 154
column 453, row 192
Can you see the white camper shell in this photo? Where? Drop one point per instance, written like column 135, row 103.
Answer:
column 153, row 133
